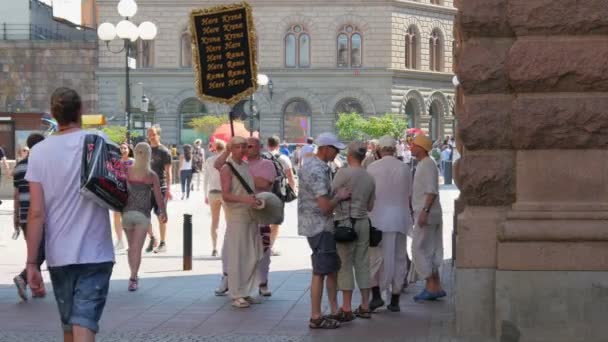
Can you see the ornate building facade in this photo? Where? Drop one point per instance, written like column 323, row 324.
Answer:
column 323, row 57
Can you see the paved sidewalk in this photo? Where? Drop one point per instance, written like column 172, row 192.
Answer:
column 176, row 305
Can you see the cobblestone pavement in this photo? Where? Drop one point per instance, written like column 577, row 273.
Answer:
column 176, row 305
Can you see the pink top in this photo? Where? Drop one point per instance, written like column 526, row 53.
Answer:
column 263, row 168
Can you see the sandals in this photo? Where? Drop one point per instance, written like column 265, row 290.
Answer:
column 343, row 316
column 133, row 284
column 363, row 313
column 240, row 303
column 323, row 322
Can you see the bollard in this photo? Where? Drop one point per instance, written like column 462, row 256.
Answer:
column 187, row 242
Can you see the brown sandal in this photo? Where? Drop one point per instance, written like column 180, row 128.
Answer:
column 342, row 316
column 323, row 323
column 363, row 313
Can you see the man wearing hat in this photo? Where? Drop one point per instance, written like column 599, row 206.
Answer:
column 427, row 244
column 391, row 215
column 316, row 204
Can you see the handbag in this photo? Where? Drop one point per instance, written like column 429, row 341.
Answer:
column 290, row 194
column 344, row 232
column 325, row 260
column 375, row 235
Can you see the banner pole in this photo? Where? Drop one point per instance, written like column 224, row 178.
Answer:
column 232, row 122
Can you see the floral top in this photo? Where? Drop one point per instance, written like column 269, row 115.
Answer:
column 314, row 182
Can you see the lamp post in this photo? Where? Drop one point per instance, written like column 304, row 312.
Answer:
column 262, row 81
column 128, row 32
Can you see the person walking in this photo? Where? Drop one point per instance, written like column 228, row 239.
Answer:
column 427, row 240
column 77, row 232
column 126, row 160
column 353, row 213
column 22, row 205
column 243, row 243
column 142, row 183
column 22, row 155
column 198, row 162
column 316, row 204
column 392, row 216
column 273, row 149
column 212, row 187
column 372, row 154
column 308, row 151
column 185, row 170
column 161, row 165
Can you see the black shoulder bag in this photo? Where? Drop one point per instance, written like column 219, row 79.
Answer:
column 343, row 232
column 375, row 235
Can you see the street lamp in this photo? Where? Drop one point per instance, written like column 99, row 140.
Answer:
column 262, row 81
column 128, row 32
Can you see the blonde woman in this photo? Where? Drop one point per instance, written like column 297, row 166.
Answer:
column 142, row 182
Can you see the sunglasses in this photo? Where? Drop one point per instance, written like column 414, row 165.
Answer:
column 251, row 146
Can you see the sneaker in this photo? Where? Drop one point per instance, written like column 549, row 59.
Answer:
column 265, row 291
column 375, row 304
column 425, row 295
column 21, row 287
column 133, row 284
column 223, row 288
column 151, row 244
column 162, row 248
column 275, row 252
column 214, row 253
column 16, row 234
column 119, row 245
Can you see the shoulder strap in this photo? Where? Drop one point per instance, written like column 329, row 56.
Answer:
column 240, row 178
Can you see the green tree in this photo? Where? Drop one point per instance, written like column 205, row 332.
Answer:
column 350, row 126
column 117, row 133
column 208, row 124
column 388, row 124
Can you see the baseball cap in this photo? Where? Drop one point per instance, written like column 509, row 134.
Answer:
column 387, row 141
column 328, row 139
column 423, row 141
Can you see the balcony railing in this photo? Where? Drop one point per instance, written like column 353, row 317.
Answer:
column 54, row 32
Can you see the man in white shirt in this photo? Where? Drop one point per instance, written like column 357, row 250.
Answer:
column 391, row 215
column 308, row 151
column 78, row 236
column 212, row 187
column 427, row 244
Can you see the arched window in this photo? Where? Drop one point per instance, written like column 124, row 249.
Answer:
column 436, row 51
column 186, row 50
column 349, row 47
column 296, row 121
column 437, row 2
column 348, row 105
column 435, row 123
column 190, row 109
column 143, row 52
column 411, row 113
column 297, row 47
column 411, row 48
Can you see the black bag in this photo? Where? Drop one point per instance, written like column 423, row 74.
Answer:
column 375, row 235
column 103, row 177
column 343, row 232
column 325, row 261
column 280, row 186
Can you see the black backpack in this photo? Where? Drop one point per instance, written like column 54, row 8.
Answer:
column 280, row 186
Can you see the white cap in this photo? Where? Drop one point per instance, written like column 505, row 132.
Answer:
column 328, row 139
column 387, row 141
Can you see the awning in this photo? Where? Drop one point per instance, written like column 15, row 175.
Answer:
column 93, row 120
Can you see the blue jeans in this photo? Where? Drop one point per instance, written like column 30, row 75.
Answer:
column 81, row 291
column 186, row 178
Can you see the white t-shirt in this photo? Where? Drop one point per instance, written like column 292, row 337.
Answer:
column 283, row 160
column 77, row 230
column 307, row 149
column 426, row 181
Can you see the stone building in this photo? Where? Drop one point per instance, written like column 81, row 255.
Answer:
column 532, row 248
column 323, row 57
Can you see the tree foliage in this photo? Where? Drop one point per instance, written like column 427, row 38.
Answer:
column 118, row 133
column 353, row 126
column 209, row 123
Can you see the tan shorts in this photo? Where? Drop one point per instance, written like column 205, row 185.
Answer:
column 132, row 219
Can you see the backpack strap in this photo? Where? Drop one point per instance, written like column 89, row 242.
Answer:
column 240, row 178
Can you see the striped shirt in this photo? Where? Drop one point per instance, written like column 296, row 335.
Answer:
column 23, row 188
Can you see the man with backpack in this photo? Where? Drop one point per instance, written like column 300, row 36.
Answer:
column 284, row 170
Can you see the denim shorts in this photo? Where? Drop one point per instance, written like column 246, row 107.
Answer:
column 325, row 259
column 81, row 291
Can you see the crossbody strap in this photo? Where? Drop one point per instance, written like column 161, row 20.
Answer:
column 240, row 178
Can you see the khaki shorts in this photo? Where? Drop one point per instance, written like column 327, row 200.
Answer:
column 132, row 219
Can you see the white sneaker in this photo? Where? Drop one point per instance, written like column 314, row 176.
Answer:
column 162, row 248
column 222, row 290
column 119, row 245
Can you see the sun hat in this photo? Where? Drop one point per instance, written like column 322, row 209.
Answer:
column 423, row 141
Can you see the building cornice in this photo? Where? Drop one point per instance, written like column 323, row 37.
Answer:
column 422, row 75
column 424, row 7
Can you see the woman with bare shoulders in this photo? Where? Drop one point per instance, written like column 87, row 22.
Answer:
column 142, row 183
column 126, row 160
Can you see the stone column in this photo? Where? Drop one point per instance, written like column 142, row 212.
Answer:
column 532, row 248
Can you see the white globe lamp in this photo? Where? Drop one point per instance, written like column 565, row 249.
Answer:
column 147, row 30
column 126, row 30
column 127, row 8
column 262, row 80
column 106, row 32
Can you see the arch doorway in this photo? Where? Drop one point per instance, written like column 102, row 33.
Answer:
column 435, row 129
column 296, row 121
column 190, row 109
